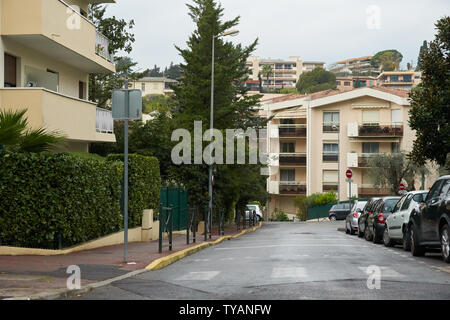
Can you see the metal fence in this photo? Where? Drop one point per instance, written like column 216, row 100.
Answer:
column 176, row 198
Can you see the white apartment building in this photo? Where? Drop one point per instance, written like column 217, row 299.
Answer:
column 317, row 137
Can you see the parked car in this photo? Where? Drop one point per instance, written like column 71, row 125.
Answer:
column 253, row 209
column 429, row 224
column 351, row 222
column 339, row 211
column 367, row 211
column 397, row 222
column 376, row 222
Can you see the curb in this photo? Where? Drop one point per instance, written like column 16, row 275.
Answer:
column 155, row 265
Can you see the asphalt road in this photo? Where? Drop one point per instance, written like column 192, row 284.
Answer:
column 290, row 261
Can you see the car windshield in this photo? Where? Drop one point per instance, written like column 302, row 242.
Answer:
column 360, row 205
column 389, row 205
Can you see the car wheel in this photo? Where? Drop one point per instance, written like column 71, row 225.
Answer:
column 386, row 239
column 376, row 237
column 367, row 234
column 445, row 243
column 406, row 240
column 333, row 218
column 416, row 249
column 347, row 231
column 360, row 233
column 352, row 232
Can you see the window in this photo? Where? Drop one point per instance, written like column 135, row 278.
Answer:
column 434, row 191
column 143, row 87
column 82, row 90
column 10, row 72
column 395, row 147
column 347, row 83
column 330, row 152
column 287, row 175
column 371, row 116
column 330, row 121
column 399, row 204
column 330, row 176
column 370, row 147
column 338, row 83
column 57, row 78
column 396, row 115
column 287, row 147
column 407, row 78
column 446, row 188
column 407, row 202
column 331, row 147
column 394, row 78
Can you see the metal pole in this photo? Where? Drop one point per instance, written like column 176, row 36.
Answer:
column 211, row 132
column 125, row 178
column 339, row 164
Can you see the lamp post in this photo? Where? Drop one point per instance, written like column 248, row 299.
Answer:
column 223, row 34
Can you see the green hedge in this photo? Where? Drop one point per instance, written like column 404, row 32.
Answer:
column 42, row 195
column 144, row 185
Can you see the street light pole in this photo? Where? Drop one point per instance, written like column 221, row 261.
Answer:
column 210, row 187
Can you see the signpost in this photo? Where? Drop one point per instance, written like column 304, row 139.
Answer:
column 126, row 105
column 349, row 174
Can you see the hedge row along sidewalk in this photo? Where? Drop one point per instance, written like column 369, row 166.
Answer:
column 40, row 277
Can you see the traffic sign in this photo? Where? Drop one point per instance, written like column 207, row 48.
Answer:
column 401, row 187
column 349, row 174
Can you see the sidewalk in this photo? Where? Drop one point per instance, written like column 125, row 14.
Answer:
column 23, row 276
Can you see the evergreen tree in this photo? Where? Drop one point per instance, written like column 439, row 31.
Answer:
column 423, row 50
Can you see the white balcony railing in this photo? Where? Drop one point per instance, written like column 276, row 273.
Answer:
column 104, row 121
column 102, row 47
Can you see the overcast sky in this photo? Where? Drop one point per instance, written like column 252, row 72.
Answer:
column 321, row 30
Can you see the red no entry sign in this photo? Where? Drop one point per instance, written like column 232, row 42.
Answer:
column 401, row 187
column 349, row 174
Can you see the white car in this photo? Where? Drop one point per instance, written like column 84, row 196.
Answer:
column 397, row 222
column 253, row 208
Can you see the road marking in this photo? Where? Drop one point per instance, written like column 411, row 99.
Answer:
column 227, row 259
column 291, row 245
column 198, row 276
column 201, row 260
column 293, row 272
column 385, row 272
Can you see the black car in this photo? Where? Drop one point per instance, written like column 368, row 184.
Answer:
column 376, row 222
column 429, row 224
column 340, row 211
column 367, row 211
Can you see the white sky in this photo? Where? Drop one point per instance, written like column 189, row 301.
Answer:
column 322, row 30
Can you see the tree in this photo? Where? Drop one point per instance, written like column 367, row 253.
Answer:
column 155, row 72
column 157, row 102
column 430, row 100
column 173, row 72
column 390, row 170
column 423, row 50
column 267, row 71
column 387, row 60
column 15, row 135
column 317, row 80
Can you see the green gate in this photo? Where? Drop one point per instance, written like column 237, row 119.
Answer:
column 176, row 198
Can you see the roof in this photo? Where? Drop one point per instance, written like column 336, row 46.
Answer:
column 156, row 79
column 354, row 59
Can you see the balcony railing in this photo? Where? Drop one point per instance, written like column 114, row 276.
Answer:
column 330, row 157
column 331, row 127
column 328, row 186
column 104, row 121
column 296, row 159
column 363, row 159
column 292, row 130
column 375, row 130
column 292, row 187
column 102, row 47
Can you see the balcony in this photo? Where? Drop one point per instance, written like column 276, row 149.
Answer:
column 330, row 157
column 328, row 186
column 293, row 159
column 79, row 120
column 355, row 160
column 292, row 130
column 55, row 30
column 331, row 127
column 292, row 187
column 375, row 130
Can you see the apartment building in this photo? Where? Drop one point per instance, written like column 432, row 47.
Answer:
column 352, row 82
column 154, row 85
column 48, row 48
column 285, row 72
column 356, row 66
column 404, row 80
column 313, row 140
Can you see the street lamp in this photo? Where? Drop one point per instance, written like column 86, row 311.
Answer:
column 223, row 34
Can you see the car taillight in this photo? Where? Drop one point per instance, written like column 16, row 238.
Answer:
column 381, row 218
column 355, row 214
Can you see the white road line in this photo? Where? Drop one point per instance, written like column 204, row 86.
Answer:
column 292, row 272
column 387, row 272
column 198, row 276
column 227, row 259
column 201, row 260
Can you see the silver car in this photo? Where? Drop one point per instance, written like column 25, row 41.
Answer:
column 351, row 221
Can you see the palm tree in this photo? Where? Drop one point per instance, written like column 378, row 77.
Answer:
column 15, row 137
column 267, row 71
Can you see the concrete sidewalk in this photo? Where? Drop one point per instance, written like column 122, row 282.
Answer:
column 42, row 276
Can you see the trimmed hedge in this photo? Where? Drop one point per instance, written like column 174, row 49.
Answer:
column 43, row 195
column 144, row 185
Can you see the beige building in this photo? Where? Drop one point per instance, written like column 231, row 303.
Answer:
column 154, row 85
column 355, row 66
column 285, row 72
column 315, row 138
column 48, row 48
column 351, row 82
column 404, row 80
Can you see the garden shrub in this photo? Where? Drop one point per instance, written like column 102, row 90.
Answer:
column 43, row 195
column 281, row 216
column 144, row 183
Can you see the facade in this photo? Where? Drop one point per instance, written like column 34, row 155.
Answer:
column 355, row 66
column 404, row 80
column 315, row 138
column 154, row 85
column 353, row 82
column 286, row 72
column 48, row 48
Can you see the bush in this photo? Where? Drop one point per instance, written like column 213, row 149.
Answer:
column 281, row 216
column 43, row 195
column 316, row 199
column 144, row 183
